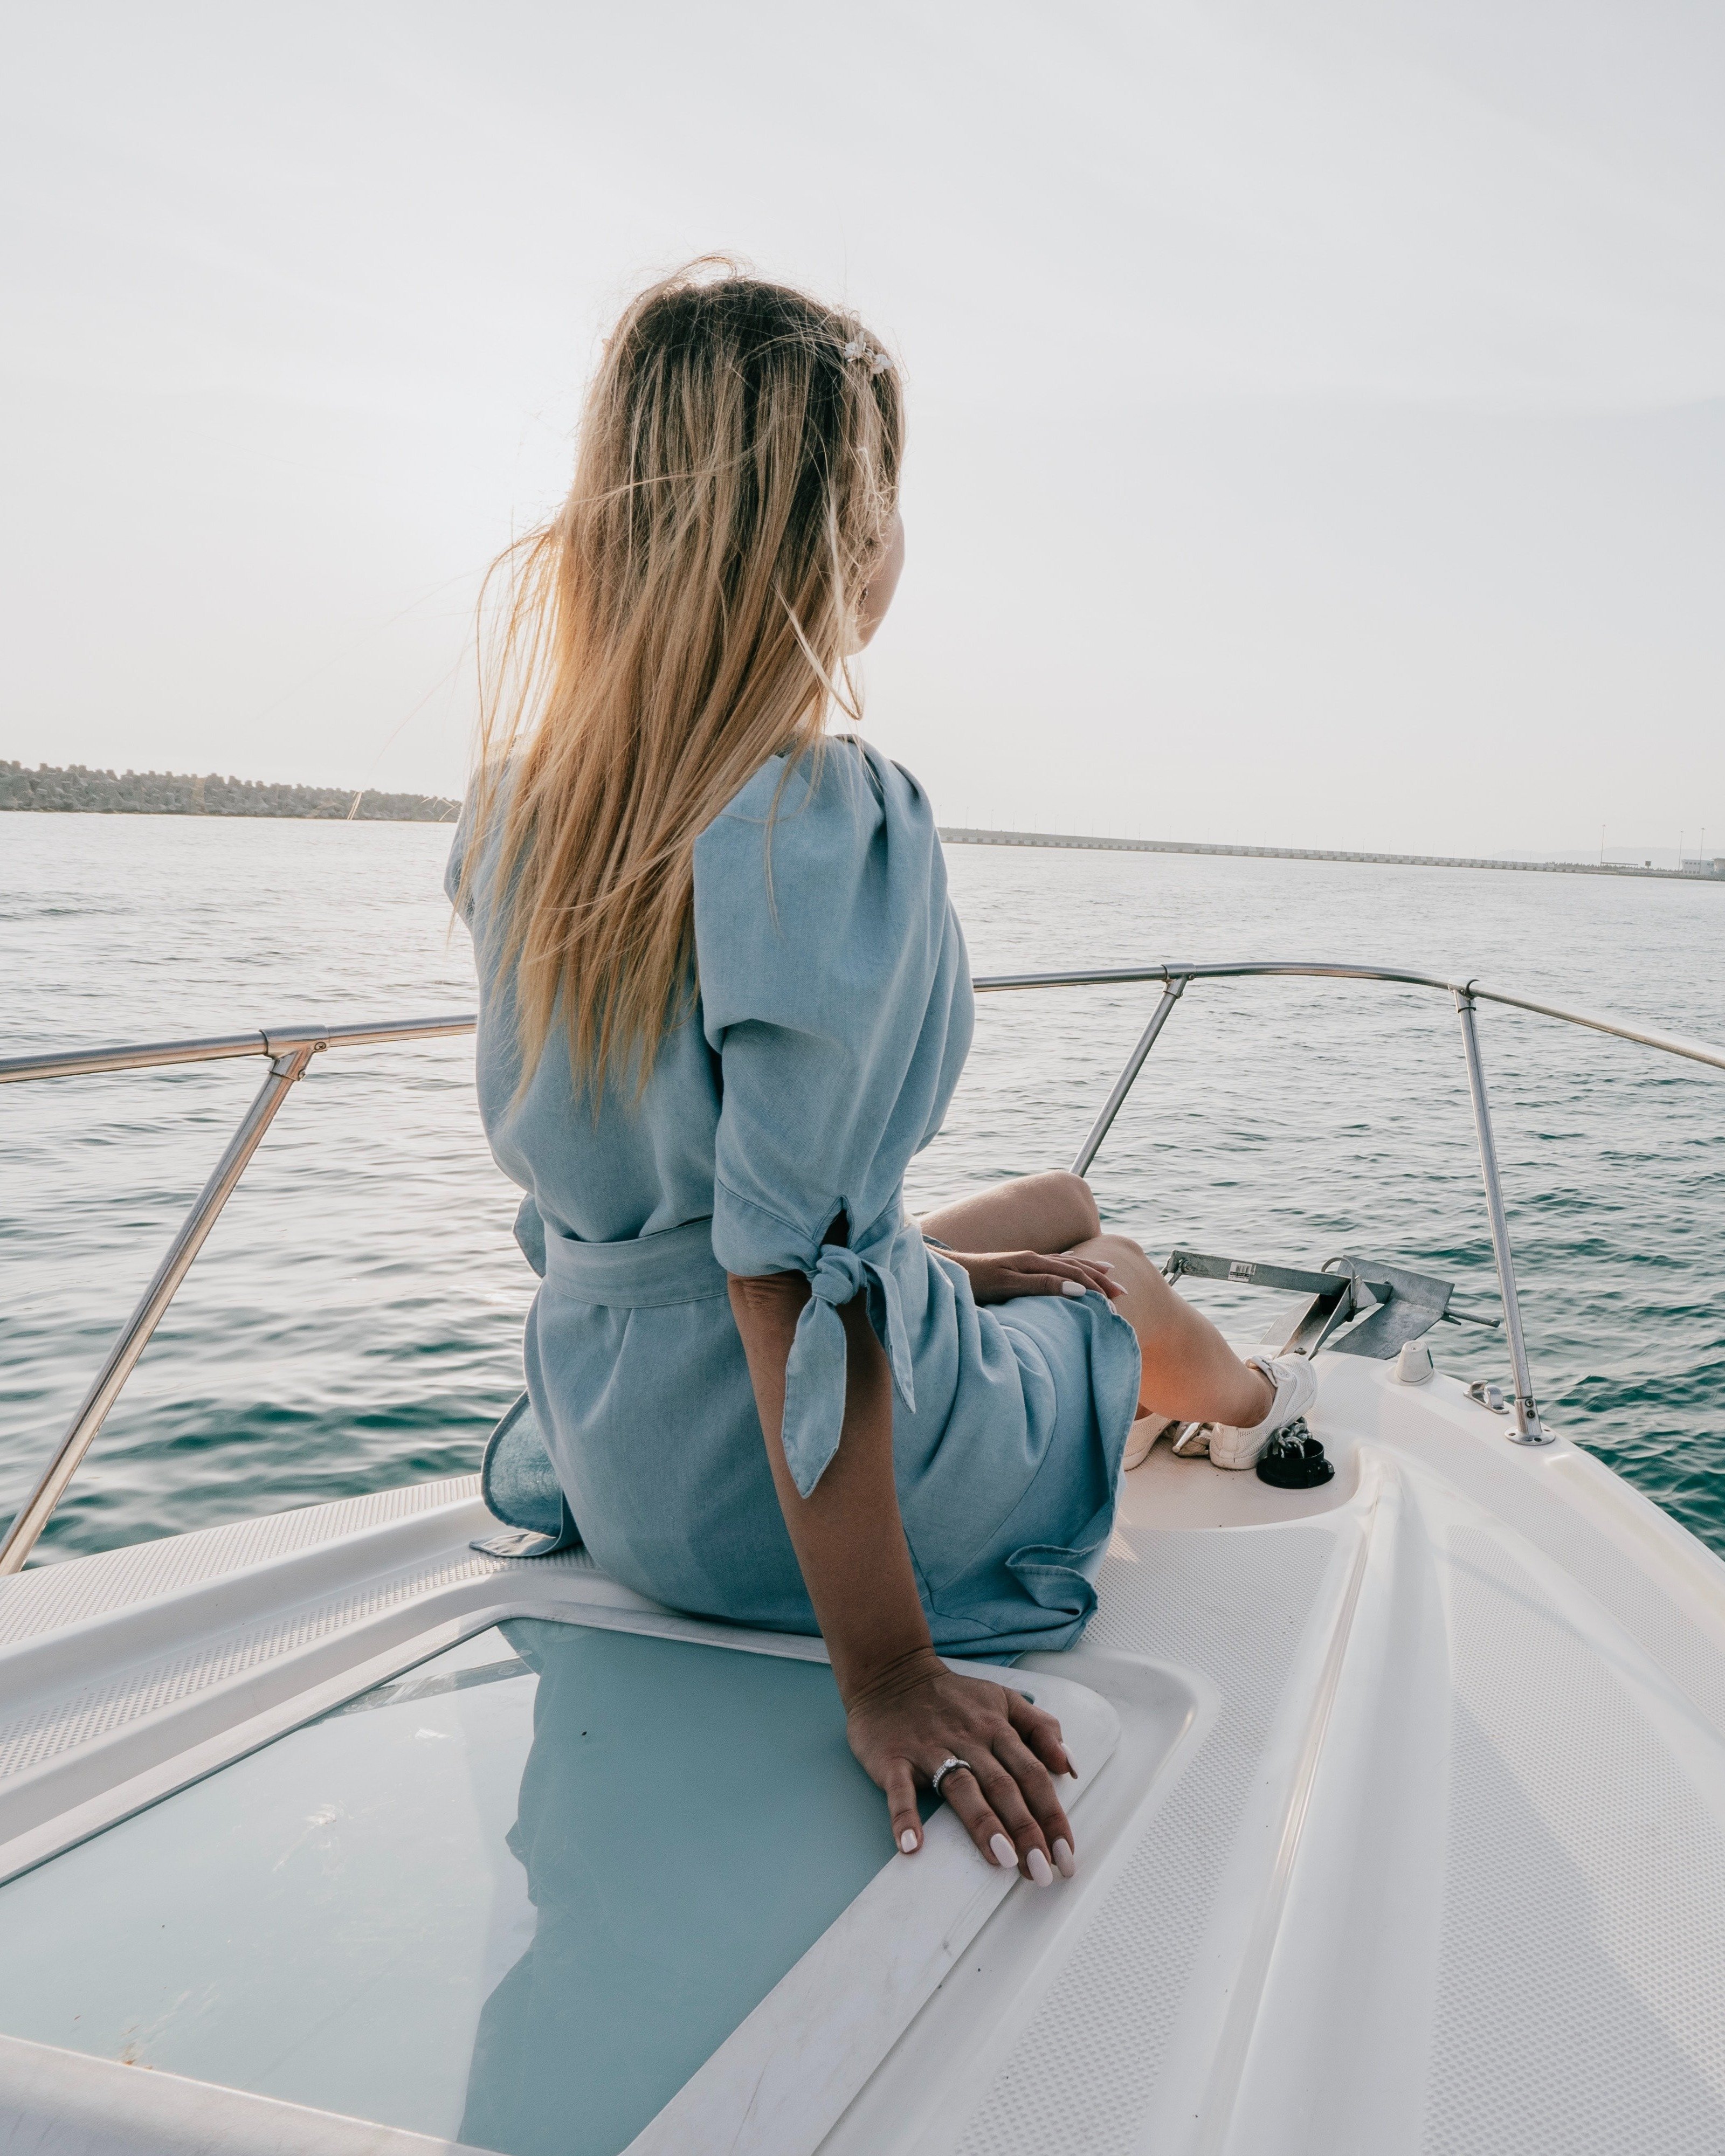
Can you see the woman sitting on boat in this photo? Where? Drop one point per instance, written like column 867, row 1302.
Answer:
column 724, row 1000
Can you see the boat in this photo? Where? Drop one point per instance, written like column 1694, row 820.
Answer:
column 1400, row 1796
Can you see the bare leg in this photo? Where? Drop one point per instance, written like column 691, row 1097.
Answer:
column 1190, row 1372
column 1052, row 1213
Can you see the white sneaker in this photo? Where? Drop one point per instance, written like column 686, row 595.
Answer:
column 1296, row 1383
column 1141, row 1439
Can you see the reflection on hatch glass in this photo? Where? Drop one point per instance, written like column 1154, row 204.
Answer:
column 516, row 1896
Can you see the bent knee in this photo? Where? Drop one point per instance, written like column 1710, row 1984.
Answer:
column 1071, row 1201
column 1121, row 1248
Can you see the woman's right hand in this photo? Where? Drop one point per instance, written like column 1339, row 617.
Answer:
column 903, row 1724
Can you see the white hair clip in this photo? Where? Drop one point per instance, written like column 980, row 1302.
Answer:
column 878, row 361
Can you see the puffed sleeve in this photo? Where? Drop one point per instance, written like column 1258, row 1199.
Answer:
column 836, row 994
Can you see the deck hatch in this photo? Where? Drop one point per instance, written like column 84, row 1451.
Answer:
column 517, row 1897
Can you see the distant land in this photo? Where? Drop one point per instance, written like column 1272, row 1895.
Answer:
column 959, row 835
column 77, row 791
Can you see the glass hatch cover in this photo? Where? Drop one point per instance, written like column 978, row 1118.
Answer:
column 516, row 1896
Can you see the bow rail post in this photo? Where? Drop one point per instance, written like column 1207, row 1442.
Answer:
column 1528, row 1429
column 1173, row 989
column 38, row 1509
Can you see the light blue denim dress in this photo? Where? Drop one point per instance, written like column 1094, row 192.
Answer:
column 832, row 1022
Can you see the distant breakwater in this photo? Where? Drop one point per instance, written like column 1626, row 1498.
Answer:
column 959, row 835
column 75, row 791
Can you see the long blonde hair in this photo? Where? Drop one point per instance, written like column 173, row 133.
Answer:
column 683, row 617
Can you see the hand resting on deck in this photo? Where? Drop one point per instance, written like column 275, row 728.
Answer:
column 907, row 1713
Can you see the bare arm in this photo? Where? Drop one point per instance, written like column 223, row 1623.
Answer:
column 906, row 1710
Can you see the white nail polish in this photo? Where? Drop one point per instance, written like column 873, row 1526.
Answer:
column 1072, row 1287
column 1064, row 1859
column 1040, row 1870
column 907, row 1841
column 1005, row 1855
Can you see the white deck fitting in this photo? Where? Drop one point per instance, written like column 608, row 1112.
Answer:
column 1439, row 1865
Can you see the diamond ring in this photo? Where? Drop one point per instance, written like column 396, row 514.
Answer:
column 949, row 1765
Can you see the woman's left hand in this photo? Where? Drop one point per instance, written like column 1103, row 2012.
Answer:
column 914, row 1716
column 998, row 1275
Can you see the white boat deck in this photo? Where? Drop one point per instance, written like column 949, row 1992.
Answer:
column 1413, row 1838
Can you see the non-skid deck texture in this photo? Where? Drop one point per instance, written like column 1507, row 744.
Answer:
column 79, row 1716
column 1603, row 2029
column 1080, row 2082
column 48, row 1597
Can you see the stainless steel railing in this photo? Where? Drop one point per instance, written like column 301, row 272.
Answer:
column 1176, row 978
column 289, row 1053
column 290, row 1050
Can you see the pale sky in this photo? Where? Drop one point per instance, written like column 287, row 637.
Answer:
column 1317, row 412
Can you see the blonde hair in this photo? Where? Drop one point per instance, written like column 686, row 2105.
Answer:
column 683, row 617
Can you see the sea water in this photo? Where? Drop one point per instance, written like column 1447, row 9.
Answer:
column 355, row 1319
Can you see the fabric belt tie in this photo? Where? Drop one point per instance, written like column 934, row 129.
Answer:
column 815, row 1372
column 677, row 1266
column 644, row 1272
